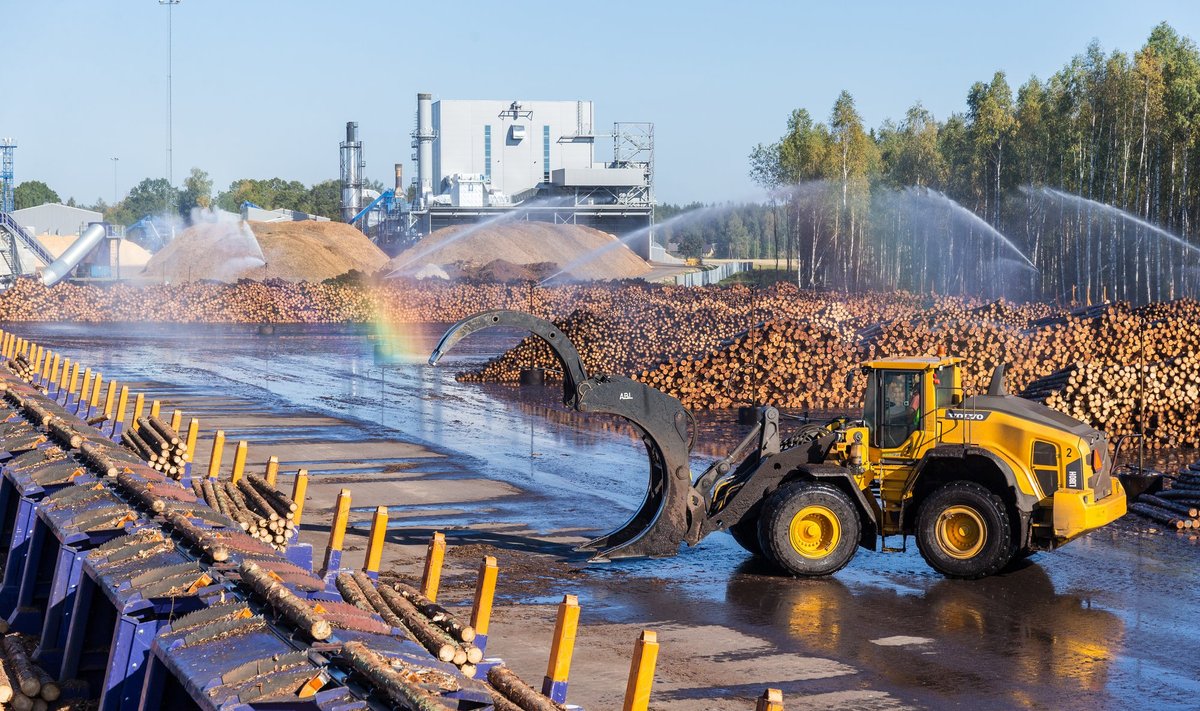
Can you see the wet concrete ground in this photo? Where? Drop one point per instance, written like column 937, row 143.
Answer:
column 1106, row 622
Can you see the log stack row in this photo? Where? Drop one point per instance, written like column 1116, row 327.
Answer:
column 731, row 346
column 1098, row 364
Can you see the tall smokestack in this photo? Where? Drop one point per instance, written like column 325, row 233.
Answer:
column 399, row 180
column 352, row 165
column 424, row 147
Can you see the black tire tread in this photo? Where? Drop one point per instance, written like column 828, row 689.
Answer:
column 993, row 563
column 776, row 515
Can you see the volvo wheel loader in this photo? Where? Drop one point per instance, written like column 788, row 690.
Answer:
column 977, row 481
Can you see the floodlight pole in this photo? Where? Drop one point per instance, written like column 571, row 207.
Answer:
column 170, row 147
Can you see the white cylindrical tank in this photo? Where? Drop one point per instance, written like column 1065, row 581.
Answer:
column 424, row 146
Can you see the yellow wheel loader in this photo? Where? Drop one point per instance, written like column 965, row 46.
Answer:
column 977, row 480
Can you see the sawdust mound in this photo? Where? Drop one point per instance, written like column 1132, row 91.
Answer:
column 524, row 243
column 131, row 255
column 293, row 251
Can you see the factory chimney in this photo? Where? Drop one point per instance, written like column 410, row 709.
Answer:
column 352, row 165
column 400, row 180
column 424, row 148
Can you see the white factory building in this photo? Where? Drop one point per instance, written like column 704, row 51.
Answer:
column 478, row 158
column 509, row 148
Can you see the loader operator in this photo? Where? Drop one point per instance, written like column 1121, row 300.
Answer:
column 902, row 398
column 899, row 408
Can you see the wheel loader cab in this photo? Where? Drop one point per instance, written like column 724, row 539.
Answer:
column 901, row 403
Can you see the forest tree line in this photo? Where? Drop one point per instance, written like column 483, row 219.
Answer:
column 1116, row 128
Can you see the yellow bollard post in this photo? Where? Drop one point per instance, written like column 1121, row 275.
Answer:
column 559, row 668
column 97, row 386
column 4, row 344
column 155, row 408
column 771, row 700
column 119, row 418
column 433, row 566
column 374, row 557
column 299, row 490
column 73, row 383
column 86, row 390
column 485, row 592
column 641, row 672
column 272, row 473
column 46, row 368
column 337, row 533
column 139, row 404
column 239, row 461
column 54, row 370
column 218, row 449
column 192, row 435
column 25, row 343
column 110, row 399
column 176, row 420
column 38, row 355
column 66, row 377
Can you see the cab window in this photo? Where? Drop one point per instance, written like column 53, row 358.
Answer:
column 943, row 386
column 899, row 408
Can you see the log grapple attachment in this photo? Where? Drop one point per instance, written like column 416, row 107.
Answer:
column 671, row 512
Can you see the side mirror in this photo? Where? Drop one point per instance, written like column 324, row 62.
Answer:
column 850, row 381
column 956, row 398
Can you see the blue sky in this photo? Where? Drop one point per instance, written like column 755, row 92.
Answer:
column 264, row 89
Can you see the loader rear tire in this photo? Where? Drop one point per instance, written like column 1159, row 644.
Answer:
column 745, row 532
column 809, row 529
column 964, row 531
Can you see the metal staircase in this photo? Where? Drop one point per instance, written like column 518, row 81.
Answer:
column 18, row 235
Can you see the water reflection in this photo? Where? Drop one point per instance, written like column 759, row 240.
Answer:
column 952, row 639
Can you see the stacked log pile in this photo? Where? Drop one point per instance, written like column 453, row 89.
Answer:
column 1087, row 363
column 404, row 607
column 24, row 685
column 158, row 444
column 261, row 510
column 1177, row 507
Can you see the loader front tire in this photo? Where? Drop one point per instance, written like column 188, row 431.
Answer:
column 963, row 531
column 809, row 529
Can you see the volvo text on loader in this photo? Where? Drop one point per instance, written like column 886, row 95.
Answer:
column 977, row 481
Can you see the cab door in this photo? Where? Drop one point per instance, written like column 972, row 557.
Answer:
column 899, row 426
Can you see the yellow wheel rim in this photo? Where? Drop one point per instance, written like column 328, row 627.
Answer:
column 961, row 532
column 814, row 531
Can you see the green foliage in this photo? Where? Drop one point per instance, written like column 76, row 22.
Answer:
column 196, row 193
column 270, row 194
column 32, row 193
column 1117, row 128
column 152, row 196
column 323, row 198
